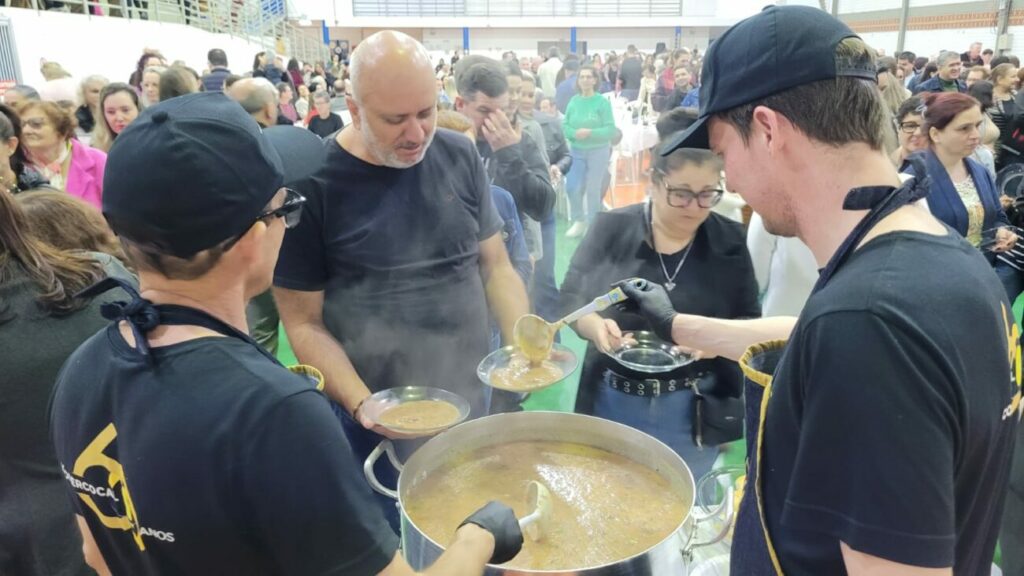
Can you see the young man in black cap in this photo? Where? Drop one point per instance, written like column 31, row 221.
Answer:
column 883, row 444
column 187, row 448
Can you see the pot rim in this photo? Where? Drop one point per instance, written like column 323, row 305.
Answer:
column 671, row 454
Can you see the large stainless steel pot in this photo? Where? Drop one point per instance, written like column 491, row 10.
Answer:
column 667, row 558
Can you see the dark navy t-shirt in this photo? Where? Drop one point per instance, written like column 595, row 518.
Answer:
column 397, row 253
column 887, row 426
column 211, row 460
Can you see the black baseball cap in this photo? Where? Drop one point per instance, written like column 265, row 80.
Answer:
column 196, row 170
column 781, row 47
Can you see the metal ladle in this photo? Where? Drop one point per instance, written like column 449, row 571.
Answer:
column 533, row 335
column 538, row 498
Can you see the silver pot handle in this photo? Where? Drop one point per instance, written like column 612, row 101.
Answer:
column 385, row 447
column 723, row 510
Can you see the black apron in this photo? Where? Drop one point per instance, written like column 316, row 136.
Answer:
column 143, row 316
column 752, row 552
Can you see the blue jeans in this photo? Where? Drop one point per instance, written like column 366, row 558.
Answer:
column 585, row 181
column 1012, row 279
column 668, row 418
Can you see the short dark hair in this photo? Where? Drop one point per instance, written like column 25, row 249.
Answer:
column 217, row 57
column 1013, row 60
column 172, row 267
column 911, row 105
column 512, row 69
column 999, row 60
column 836, row 112
column 486, row 75
column 282, row 86
column 676, row 120
column 920, row 62
column 680, row 157
column 987, row 51
column 231, row 79
column 908, row 56
column 982, row 92
column 25, row 90
column 571, row 65
column 175, row 81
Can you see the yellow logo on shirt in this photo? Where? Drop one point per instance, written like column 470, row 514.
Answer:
column 1014, row 357
column 114, row 495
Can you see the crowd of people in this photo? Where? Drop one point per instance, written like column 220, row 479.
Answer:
column 403, row 246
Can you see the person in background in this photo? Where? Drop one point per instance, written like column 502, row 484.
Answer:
column 986, row 57
column 217, row 61
column 963, row 193
column 567, row 88
column 589, row 128
column 975, row 74
column 295, row 73
column 150, row 86
column 259, row 62
column 919, row 65
column 973, row 55
column 645, row 100
column 302, row 102
column 1004, row 112
column 15, row 175
column 119, row 107
column 68, row 223
column 177, row 81
column 391, row 274
column 63, row 92
column 909, row 123
column 149, row 59
column 51, row 149
column 41, row 324
column 285, row 107
column 982, row 91
column 230, row 80
column 19, row 93
column 631, row 72
column 905, row 62
column 548, row 71
column 324, row 122
column 544, row 289
column 259, row 98
column 701, row 257
column 89, row 95
column 947, row 76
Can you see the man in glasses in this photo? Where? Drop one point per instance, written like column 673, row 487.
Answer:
column 186, row 447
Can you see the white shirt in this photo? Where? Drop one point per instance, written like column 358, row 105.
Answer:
column 546, row 74
column 785, row 270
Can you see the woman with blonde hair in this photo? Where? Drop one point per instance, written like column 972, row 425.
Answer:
column 118, row 107
column 89, row 95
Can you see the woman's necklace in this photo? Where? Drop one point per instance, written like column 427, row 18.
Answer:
column 670, row 281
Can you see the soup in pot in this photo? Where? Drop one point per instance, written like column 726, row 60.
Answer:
column 605, row 507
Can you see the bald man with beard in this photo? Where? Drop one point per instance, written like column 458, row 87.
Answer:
column 389, row 278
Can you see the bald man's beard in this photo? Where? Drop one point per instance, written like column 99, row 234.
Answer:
column 386, row 154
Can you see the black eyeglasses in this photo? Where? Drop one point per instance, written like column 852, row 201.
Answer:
column 683, row 197
column 291, row 210
column 909, row 127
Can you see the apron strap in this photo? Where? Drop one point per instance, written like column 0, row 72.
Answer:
column 142, row 316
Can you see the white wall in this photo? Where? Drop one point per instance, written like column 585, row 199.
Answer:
column 112, row 46
column 928, row 43
column 524, row 41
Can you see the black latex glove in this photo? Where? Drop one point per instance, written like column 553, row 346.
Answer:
column 653, row 303
column 500, row 521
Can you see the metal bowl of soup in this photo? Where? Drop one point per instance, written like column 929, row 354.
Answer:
column 623, row 501
column 507, row 369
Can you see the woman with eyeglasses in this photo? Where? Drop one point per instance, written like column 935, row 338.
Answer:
column 701, row 258
column 962, row 193
column 48, row 139
column 908, row 130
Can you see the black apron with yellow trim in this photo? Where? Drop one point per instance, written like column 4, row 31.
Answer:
column 752, row 551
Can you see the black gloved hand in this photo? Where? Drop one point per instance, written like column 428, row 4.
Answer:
column 654, row 304
column 499, row 520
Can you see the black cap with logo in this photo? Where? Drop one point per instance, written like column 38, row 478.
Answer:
column 781, row 47
column 196, row 170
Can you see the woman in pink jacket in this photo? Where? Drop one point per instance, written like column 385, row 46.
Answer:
column 48, row 139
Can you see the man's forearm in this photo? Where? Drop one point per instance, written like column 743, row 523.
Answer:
column 728, row 338
column 506, row 296
column 315, row 345
column 466, row 556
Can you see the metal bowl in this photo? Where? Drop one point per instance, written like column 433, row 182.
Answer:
column 650, row 354
column 561, row 355
column 378, row 403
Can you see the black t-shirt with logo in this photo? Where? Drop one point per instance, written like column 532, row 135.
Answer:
column 210, row 460
column 887, row 427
